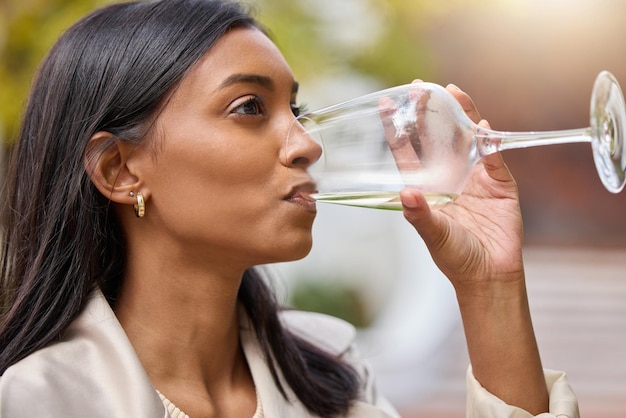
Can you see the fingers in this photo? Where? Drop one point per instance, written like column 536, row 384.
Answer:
column 417, row 211
column 466, row 102
column 496, row 168
column 494, row 163
column 398, row 137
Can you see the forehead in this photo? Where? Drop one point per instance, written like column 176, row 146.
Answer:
column 240, row 51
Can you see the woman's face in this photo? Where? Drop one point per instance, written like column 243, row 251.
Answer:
column 221, row 184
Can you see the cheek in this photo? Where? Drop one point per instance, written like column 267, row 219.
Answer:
column 226, row 191
column 216, row 184
column 231, row 211
column 211, row 162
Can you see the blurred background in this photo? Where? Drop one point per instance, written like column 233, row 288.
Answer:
column 528, row 65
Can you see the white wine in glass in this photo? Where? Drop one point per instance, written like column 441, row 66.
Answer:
column 417, row 135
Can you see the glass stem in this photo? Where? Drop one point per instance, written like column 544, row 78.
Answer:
column 489, row 141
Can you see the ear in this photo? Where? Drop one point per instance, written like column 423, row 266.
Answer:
column 106, row 161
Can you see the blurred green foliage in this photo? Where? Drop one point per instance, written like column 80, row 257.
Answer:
column 395, row 55
column 335, row 299
column 28, row 28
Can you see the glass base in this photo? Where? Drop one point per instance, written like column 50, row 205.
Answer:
column 608, row 128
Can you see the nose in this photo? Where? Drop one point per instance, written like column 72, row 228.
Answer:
column 300, row 149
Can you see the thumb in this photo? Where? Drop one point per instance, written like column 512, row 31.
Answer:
column 419, row 214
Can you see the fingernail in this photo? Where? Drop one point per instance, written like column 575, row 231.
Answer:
column 408, row 200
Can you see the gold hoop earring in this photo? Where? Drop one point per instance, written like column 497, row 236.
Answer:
column 140, row 206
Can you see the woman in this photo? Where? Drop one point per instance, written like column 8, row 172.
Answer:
column 150, row 178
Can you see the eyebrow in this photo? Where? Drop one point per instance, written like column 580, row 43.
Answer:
column 248, row 78
column 261, row 80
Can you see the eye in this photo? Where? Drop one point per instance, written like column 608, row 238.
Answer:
column 298, row 109
column 253, row 106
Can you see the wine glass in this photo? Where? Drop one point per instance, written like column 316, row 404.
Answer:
column 417, row 135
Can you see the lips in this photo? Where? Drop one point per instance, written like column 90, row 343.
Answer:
column 301, row 196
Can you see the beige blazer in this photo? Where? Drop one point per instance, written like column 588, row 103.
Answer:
column 94, row 372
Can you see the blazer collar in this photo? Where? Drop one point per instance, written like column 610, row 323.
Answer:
column 329, row 333
column 94, row 371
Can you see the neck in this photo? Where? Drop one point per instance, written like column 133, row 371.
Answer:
column 187, row 316
column 178, row 306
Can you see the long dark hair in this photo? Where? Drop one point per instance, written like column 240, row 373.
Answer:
column 111, row 72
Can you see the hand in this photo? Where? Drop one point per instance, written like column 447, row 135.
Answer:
column 476, row 241
column 478, row 238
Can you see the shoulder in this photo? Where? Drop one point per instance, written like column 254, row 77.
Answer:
column 47, row 381
column 327, row 332
column 49, row 367
column 338, row 337
column 92, row 371
column 32, row 383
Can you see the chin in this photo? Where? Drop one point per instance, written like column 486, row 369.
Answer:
column 294, row 252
